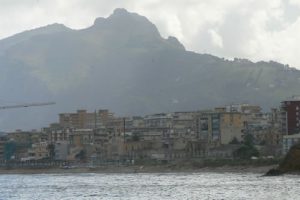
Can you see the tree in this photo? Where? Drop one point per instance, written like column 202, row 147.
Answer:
column 249, row 140
column 247, row 150
column 234, row 141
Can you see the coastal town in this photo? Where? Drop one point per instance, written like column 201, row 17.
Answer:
column 236, row 131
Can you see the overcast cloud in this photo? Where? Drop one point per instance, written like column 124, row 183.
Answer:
column 253, row 29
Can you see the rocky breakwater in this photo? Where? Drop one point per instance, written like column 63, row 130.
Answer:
column 290, row 164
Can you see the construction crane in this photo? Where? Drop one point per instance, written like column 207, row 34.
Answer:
column 26, row 105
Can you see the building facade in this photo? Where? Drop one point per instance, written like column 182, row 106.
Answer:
column 290, row 116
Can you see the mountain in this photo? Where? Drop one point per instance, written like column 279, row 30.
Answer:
column 122, row 63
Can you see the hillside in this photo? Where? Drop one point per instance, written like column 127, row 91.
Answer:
column 123, row 64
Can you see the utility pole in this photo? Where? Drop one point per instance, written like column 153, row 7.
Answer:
column 169, row 144
column 124, row 128
column 95, row 125
column 95, row 120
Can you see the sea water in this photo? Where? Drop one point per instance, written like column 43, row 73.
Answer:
column 152, row 186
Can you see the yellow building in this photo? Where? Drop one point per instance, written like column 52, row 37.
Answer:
column 219, row 127
column 136, row 149
column 39, row 151
column 80, row 137
column 83, row 119
column 81, row 140
column 232, row 126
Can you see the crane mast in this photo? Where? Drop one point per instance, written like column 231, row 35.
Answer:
column 26, row 105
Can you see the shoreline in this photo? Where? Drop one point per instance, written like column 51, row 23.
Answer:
column 143, row 169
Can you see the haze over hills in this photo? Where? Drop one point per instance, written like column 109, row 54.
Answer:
column 123, row 64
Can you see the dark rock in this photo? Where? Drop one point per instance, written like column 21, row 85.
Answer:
column 274, row 172
column 291, row 162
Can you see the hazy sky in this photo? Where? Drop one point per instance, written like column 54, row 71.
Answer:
column 254, row 29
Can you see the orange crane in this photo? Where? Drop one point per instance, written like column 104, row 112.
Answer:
column 26, row 105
